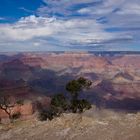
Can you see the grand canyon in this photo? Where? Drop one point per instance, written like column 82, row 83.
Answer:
column 116, row 78
column 36, row 77
column 69, row 69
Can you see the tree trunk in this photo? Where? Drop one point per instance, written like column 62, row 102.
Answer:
column 9, row 116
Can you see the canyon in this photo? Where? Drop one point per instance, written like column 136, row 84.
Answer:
column 33, row 76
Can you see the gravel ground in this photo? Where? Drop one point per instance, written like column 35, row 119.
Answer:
column 91, row 125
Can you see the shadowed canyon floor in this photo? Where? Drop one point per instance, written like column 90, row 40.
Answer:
column 91, row 125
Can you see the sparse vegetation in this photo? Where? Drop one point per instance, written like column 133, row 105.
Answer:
column 74, row 87
column 60, row 104
column 44, row 115
column 16, row 115
column 59, row 101
column 20, row 102
column 48, row 114
column 7, row 104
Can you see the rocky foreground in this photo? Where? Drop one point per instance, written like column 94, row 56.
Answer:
column 91, row 125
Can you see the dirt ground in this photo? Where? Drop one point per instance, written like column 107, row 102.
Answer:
column 91, row 125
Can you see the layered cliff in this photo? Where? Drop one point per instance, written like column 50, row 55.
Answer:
column 115, row 78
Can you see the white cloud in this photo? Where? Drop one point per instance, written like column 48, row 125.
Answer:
column 85, row 11
column 27, row 28
column 70, row 30
column 130, row 8
column 63, row 7
column 67, row 30
column 57, row 32
column 105, row 8
column 2, row 18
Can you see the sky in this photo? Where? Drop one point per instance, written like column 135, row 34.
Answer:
column 69, row 25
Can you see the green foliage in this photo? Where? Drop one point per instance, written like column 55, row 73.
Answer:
column 80, row 105
column 85, row 83
column 20, row 102
column 75, row 86
column 83, row 105
column 59, row 104
column 48, row 114
column 16, row 115
column 59, row 101
column 74, row 105
column 43, row 115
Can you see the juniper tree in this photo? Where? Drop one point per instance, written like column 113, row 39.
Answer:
column 74, row 87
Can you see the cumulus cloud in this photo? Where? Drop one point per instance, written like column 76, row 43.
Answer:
column 78, row 24
column 26, row 28
column 63, row 32
column 122, row 13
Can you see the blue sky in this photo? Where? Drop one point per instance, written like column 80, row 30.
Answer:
column 69, row 25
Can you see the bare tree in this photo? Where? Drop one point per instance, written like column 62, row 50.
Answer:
column 7, row 105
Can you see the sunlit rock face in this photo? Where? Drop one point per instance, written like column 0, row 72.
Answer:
column 116, row 77
column 26, row 109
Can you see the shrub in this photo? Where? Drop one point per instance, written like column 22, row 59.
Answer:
column 45, row 115
column 83, row 105
column 59, row 101
column 59, row 104
column 16, row 115
column 80, row 105
column 74, row 106
column 20, row 102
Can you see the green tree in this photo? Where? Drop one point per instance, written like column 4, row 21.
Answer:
column 48, row 114
column 74, row 87
column 83, row 105
column 60, row 104
column 59, row 101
